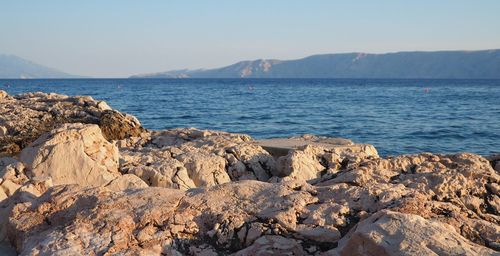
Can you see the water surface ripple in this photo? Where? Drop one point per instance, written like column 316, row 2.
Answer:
column 397, row 116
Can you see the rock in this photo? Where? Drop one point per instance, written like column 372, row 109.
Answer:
column 102, row 105
column 273, row 245
column 12, row 176
column 157, row 169
column 320, row 234
column 127, row 181
column 24, row 117
column 219, row 193
column 245, row 218
column 282, row 146
column 72, row 154
column 237, row 215
column 456, row 189
column 312, row 161
column 20, row 196
column 118, row 126
column 189, row 158
column 9, row 187
column 3, row 94
column 3, row 131
column 392, row 233
column 3, row 195
column 149, row 218
column 204, row 169
column 304, row 164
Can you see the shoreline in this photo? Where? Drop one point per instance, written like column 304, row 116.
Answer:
column 399, row 126
column 198, row 192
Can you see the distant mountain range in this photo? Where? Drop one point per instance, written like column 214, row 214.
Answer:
column 437, row 64
column 15, row 67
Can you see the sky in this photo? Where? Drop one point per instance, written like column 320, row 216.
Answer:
column 119, row 38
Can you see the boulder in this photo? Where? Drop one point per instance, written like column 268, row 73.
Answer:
column 72, row 154
column 393, row 233
column 3, row 94
column 3, row 131
column 314, row 160
column 118, row 126
column 204, row 169
column 127, row 181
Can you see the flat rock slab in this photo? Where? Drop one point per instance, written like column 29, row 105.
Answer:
column 281, row 146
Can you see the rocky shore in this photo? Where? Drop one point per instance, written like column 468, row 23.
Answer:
column 79, row 178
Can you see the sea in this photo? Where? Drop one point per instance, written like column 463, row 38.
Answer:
column 396, row 116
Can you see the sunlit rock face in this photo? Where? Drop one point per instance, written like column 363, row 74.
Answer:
column 73, row 190
column 72, row 154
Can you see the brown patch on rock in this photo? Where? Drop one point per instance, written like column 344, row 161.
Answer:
column 24, row 117
column 8, row 148
column 118, row 126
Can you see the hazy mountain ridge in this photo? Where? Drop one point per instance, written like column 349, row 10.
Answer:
column 437, row 64
column 15, row 67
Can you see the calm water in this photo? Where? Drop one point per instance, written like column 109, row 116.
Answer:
column 397, row 116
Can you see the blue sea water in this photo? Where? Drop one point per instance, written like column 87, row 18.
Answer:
column 397, row 116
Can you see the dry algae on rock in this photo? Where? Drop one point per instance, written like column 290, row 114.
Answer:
column 78, row 178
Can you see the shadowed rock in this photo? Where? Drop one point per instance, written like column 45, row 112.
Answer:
column 118, row 126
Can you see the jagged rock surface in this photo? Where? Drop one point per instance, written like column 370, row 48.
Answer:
column 24, row 117
column 312, row 162
column 393, row 233
column 245, row 218
column 221, row 193
column 189, row 158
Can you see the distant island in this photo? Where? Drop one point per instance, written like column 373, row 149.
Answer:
column 484, row 64
column 14, row 67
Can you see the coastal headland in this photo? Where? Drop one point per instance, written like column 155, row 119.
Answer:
column 80, row 178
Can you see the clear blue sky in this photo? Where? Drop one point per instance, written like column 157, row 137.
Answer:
column 111, row 38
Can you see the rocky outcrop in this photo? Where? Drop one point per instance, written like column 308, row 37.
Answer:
column 24, row 117
column 84, row 189
column 225, row 218
column 245, row 218
column 189, row 158
column 72, row 154
column 460, row 190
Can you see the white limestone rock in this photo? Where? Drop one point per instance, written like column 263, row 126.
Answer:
column 72, row 154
